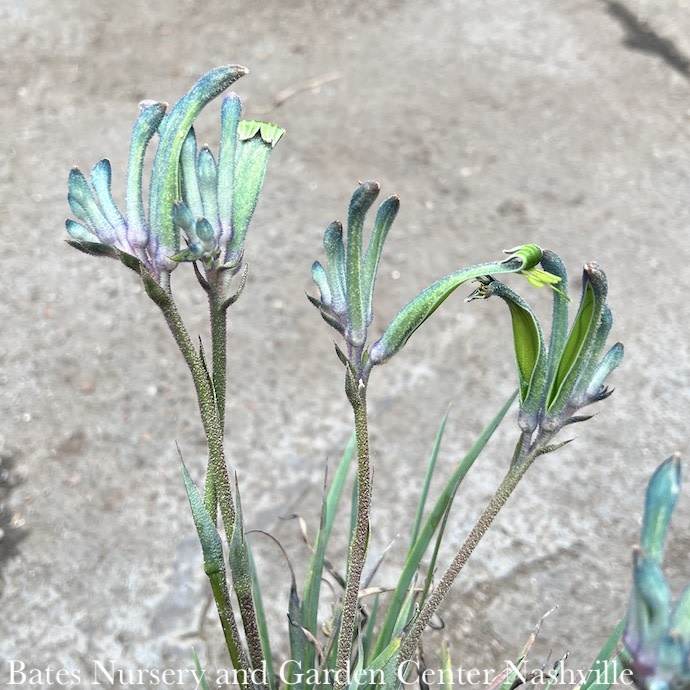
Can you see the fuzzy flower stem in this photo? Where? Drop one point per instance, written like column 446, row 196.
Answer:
column 210, row 416
column 498, row 500
column 360, row 538
column 205, row 398
column 218, row 319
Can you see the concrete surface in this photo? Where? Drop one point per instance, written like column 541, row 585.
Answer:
column 560, row 123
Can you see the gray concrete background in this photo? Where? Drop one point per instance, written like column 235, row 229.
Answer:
column 497, row 123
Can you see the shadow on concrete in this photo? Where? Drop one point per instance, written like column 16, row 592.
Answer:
column 640, row 36
column 10, row 533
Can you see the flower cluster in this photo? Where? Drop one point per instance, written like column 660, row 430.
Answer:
column 557, row 381
column 212, row 203
column 346, row 283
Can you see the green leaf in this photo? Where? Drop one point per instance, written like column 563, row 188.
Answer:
column 606, row 668
column 446, row 668
column 261, row 620
column 385, row 667
column 211, row 544
column 245, row 586
column 92, row 248
column 368, row 634
column 431, row 466
column 200, row 676
column 418, row 548
column 312, row 584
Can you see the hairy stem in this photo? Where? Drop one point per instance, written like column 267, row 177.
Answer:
column 360, row 538
column 233, row 641
column 205, row 398
column 498, row 500
column 218, row 319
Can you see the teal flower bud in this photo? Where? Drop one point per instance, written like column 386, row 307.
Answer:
column 103, row 230
column 663, row 490
column 656, row 638
column 346, row 283
column 580, row 374
column 225, row 193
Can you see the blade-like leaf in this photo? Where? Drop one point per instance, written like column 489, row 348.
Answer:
column 261, row 620
column 200, row 675
column 418, row 548
column 431, row 466
column 606, row 668
column 312, row 584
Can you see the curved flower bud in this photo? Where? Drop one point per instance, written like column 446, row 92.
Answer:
column 556, row 383
column 416, row 312
column 150, row 117
column 256, row 143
